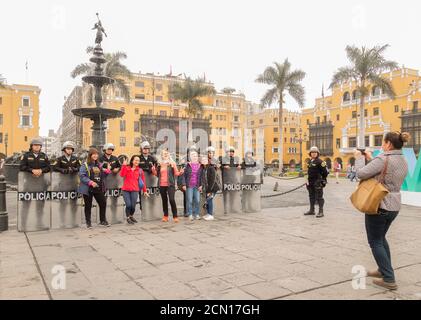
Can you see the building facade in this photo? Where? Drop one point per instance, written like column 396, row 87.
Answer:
column 332, row 124
column 225, row 112
column 19, row 117
column 71, row 126
column 265, row 135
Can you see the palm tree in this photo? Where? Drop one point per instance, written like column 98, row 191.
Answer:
column 190, row 91
column 367, row 65
column 283, row 81
column 113, row 69
column 2, row 81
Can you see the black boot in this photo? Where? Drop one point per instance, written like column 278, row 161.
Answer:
column 311, row 211
column 320, row 213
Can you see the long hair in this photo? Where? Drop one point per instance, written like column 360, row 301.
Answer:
column 91, row 152
column 132, row 159
column 160, row 160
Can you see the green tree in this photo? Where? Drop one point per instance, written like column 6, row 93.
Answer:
column 189, row 92
column 114, row 68
column 367, row 66
column 283, row 80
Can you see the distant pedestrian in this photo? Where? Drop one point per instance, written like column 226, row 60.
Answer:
column 353, row 175
column 396, row 169
column 337, row 168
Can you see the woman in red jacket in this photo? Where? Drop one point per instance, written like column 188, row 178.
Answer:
column 134, row 178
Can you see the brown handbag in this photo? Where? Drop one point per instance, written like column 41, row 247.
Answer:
column 370, row 193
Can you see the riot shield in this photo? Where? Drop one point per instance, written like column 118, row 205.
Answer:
column 251, row 189
column 34, row 207
column 115, row 202
column 152, row 206
column 231, row 190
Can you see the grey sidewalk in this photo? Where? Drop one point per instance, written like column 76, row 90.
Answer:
column 277, row 254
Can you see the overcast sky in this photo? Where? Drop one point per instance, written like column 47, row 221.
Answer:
column 229, row 41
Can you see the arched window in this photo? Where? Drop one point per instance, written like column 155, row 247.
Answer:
column 346, row 97
column 375, row 91
column 355, row 95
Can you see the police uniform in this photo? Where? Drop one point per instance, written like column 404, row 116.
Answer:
column 317, row 174
column 146, row 164
column 110, row 163
column 30, row 161
column 66, row 165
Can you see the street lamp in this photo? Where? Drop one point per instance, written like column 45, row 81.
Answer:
column 300, row 139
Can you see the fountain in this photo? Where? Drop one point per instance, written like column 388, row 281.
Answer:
column 99, row 114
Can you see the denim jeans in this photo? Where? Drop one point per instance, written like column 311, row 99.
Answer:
column 130, row 199
column 209, row 204
column 193, row 201
column 377, row 227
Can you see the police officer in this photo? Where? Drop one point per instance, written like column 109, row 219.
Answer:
column 67, row 163
column 34, row 160
column 147, row 162
column 108, row 160
column 211, row 157
column 230, row 160
column 317, row 174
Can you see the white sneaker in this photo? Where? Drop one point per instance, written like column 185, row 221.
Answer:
column 205, row 217
column 197, row 217
column 209, row 218
column 191, row 218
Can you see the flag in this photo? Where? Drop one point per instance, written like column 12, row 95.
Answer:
column 26, row 65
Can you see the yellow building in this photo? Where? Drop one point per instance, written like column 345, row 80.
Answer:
column 19, row 117
column 149, row 96
column 332, row 123
column 264, row 124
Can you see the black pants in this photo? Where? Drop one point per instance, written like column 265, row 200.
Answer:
column 184, row 201
column 102, row 204
column 140, row 200
column 168, row 193
column 315, row 192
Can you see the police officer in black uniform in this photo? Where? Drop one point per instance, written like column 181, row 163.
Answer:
column 67, row 163
column 108, row 160
column 34, row 160
column 148, row 164
column 317, row 174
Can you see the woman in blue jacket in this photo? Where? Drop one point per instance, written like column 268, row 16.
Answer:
column 92, row 185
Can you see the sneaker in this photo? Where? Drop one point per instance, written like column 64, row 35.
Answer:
column 197, row 217
column 129, row 221
column 387, row 285
column 209, row 217
column 165, row 219
column 133, row 219
column 206, row 216
column 186, row 215
column 88, row 225
column 104, row 224
column 176, row 219
column 191, row 218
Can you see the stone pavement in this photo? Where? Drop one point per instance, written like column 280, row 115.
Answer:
column 277, row 254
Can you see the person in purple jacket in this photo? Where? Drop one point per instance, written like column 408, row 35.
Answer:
column 92, row 185
column 191, row 179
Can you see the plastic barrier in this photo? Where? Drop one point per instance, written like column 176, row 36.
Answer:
column 152, row 206
column 65, row 204
column 115, row 202
column 34, row 207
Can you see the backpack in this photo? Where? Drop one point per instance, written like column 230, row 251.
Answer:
column 141, row 183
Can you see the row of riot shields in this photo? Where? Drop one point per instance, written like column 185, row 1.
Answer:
column 52, row 202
